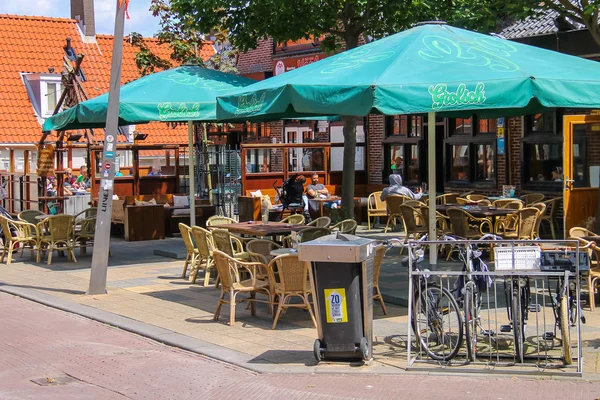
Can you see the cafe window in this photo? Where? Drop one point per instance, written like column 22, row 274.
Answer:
column 403, row 147
column 471, row 150
column 257, row 131
column 336, row 158
column 258, row 161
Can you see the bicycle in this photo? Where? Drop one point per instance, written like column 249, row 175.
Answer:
column 469, row 289
column 435, row 312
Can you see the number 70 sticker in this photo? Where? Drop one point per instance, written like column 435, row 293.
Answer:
column 335, row 306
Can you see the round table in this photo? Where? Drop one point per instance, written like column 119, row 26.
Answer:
column 283, row 251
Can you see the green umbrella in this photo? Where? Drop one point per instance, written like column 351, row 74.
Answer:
column 181, row 94
column 429, row 68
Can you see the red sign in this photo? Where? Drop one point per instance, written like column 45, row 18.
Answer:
column 107, row 166
column 288, row 64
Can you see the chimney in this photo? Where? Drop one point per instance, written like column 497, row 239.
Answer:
column 83, row 12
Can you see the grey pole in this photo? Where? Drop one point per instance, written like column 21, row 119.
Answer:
column 107, row 178
column 191, row 173
column 432, row 185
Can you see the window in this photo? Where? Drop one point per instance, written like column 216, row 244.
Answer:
column 336, row 158
column 471, row 151
column 258, row 160
column 403, row 147
column 51, row 92
column 406, row 126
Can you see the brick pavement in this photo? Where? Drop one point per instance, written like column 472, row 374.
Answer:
column 71, row 357
column 149, row 289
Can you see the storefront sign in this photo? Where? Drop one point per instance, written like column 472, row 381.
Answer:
column 500, row 132
column 500, row 145
column 288, row 64
column 45, row 161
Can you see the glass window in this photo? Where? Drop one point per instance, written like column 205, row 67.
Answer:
column 541, row 123
column 258, row 160
column 412, row 170
column 488, row 126
column 485, row 170
column 542, row 162
column 337, row 158
column 51, row 96
column 397, row 157
column 459, row 156
column 464, row 126
column 406, row 126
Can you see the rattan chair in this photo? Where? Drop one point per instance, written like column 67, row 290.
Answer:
column 508, row 203
column 225, row 242
column 85, row 232
column 204, row 257
column 22, row 234
column 509, row 221
column 259, row 250
column 321, row 222
column 217, row 220
column 191, row 257
column 542, row 208
column 87, row 213
column 526, row 225
column 594, row 259
column 377, row 261
column 447, row 198
column 579, row 232
column 462, row 201
column 308, row 234
column 29, row 216
column 409, row 218
column 462, row 222
column 441, row 221
column 56, row 232
column 346, row 226
column 231, row 283
column 292, row 281
column 375, row 208
column 476, row 197
column 532, row 198
column 394, row 214
column 294, row 219
column 551, row 215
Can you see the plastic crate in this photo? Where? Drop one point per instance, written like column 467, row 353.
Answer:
column 517, row 258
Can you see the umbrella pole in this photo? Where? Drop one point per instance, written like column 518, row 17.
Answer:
column 431, row 142
column 191, row 173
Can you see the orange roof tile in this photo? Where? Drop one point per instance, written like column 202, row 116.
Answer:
column 35, row 44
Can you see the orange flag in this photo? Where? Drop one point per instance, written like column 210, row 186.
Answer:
column 126, row 7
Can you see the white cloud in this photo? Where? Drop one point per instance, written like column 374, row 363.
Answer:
column 141, row 20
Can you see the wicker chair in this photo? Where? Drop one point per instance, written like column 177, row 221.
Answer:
column 414, row 203
column 476, row 197
column 551, row 215
column 377, row 261
column 87, row 213
column 29, row 216
column 292, row 281
column 532, row 198
column 231, row 283
column 85, row 232
column 308, row 234
column 542, row 208
column 507, row 203
column 526, row 225
column 260, row 250
column 448, row 198
column 56, row 232
column 375, row 208
column 225, row 242
column 578, row 232
column 393, row 203
column 204, row 257
column 441, row 221
column 409, row 218
column 346, row 226
column 191, row 257
column 462, row 201
column 461, row 224
column 294, row 219
column 594, row 257
column 321, row 222
column 24, row 234
column 509, row 221
column 217, row 220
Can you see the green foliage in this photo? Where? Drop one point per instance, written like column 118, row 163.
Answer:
column 146, row 61
column 585, row 12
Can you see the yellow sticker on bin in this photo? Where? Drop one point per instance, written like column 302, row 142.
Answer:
column 335, row 306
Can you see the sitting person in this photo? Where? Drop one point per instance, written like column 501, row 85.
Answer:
column 155, row 172
column 556, row 174
column 317, row 190
column 69, row 178
column 293, row 190
column 396, row 188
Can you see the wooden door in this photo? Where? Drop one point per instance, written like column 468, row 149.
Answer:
column 580, row 186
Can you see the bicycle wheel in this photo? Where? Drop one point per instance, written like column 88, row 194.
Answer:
column 565, row 330
column 471, row 322
column 437, row 323
column 518, row 326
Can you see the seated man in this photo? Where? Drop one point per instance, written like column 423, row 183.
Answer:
column 396, row 188
column 316, row 190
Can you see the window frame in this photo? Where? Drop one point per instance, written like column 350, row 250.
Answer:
column 406, row 141
column 44, row 93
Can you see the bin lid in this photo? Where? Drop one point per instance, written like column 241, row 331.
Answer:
column 337, row 247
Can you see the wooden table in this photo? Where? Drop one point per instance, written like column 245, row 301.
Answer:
column 257, row 229
column 479, row 211
column 316, row 207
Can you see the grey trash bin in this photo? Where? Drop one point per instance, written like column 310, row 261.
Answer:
column 342, row 286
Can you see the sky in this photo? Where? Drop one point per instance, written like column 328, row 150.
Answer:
column 141, row 20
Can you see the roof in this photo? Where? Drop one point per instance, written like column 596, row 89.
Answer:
column 35, row 44
column 533, row 26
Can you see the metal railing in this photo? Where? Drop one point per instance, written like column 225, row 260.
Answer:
column 496, row 320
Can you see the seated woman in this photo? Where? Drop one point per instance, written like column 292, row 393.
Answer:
column 396, row 188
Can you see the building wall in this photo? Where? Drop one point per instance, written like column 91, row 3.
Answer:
column 259, row 60
column 374, row 136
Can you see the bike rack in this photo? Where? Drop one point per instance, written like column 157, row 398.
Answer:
column 496, row 351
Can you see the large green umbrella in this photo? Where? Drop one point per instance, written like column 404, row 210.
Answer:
column 432, row 68
column 429, row 68
column 181, row 94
